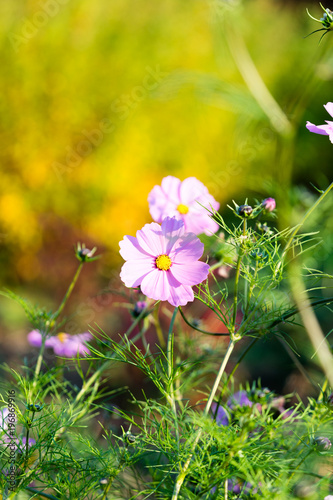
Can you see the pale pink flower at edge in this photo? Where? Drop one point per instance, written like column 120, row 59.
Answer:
column 62, row 344
column 188, row 201
column 163, row 261
column 323, row 129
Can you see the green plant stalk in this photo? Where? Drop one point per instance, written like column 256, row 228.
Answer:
column 297, row 228
column 181, row 476
column 40, row 493
column 311, row 324
column 27, row 441
column 158, row 327
column 171, row 396
column 69, row 291
column 299, row 464
column 323, row 389
column 238, row 268
column 250, row 291
column 254, row 81
column 38, row 365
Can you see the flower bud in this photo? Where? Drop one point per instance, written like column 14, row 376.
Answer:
column 85, row 254
column 323, row 443
column 244, row 210
column 269, row 204
column 129, row 438
column 34, row 407
column 138, row 308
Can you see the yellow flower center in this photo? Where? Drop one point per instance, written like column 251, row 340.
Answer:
column 182, row 209
column 62, row 337
column 163, row 262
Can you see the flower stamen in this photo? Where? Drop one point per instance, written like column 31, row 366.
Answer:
column 62, row 337
column 163, row 262
column 182, row 209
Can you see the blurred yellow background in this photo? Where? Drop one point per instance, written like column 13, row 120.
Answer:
column 101, row 99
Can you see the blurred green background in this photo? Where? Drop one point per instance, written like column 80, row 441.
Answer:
column 99, row 100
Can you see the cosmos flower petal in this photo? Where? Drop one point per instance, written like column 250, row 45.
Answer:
column 189, row 201
column 35, row 338
column 133, row 271
column 191, row 273
column 180, row 295
column 157, row 280
column 172, row 229
column 171, row 187
column 199, row 223
column 191, row 189
column 155, row 285
column 318, row 129
column 157, row 202
column 329, row 108
column 64, row 344
column 130, row 249
column 151, row 240
column 188, row 249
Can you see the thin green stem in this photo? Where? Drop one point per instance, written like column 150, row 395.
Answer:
column 205, row 332
column 40, row 493
column 297, row 228
column 171, row 396
column 38, row 365
column 158, row 327
column 69, row 291
column 254, row 81
column 323, row 389
column 300, row 463
column 181, row 476
column 237, row 276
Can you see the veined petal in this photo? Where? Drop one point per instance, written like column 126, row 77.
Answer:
column 130, row 249
column 155, row 285
column 180, row 295
column 192, row 189
column 191, row 273
column 151, row 240
column 158, row 201
column 318, row 129
column 188, row 249
column 172, row 229
column 329, row 108
column 171, row 187
column 199, row 223
column 133, row 271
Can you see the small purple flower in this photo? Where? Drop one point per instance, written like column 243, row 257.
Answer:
column 323, row 129
column 187, row 201
column 222, row 416
column 240, row 398
column 139, row 306
column 269, row 204
column 163, row 260
column 62, row 344
column 323, row 443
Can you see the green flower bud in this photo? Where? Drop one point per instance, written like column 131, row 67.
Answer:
column 244, row 210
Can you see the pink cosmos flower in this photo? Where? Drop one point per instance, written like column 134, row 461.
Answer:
column 186, row 201
column 269, row 204
column 323, row 129
column 163, row 260
column 62, row 344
